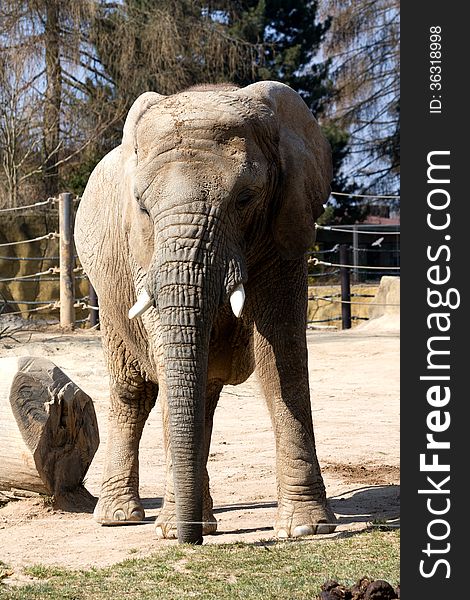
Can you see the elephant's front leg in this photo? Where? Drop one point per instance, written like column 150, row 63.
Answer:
column 166, row 520
column 281, row 364
column 119, row 502
column 302, row 505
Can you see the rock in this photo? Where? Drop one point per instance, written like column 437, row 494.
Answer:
column 364, row 589
column 359, row 589
column 332, row 590
column 380, row 590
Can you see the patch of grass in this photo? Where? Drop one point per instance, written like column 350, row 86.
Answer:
column 48, row 501
column 42, row 572
column 293, row 570
column 383, row 524
column 4, row 571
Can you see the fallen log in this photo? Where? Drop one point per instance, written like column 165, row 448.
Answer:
column 48, row 431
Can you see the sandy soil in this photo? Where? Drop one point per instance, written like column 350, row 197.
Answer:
column 355, row 395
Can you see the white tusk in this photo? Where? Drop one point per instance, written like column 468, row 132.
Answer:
column 237, row 300
column 144, row 302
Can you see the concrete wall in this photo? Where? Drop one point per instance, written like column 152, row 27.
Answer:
column 24, row 226
column 379, row 300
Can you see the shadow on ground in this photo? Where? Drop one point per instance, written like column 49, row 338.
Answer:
column 368, row 504
column 377, row 505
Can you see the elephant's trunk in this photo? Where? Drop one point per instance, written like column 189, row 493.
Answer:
column 188, row 282
column 186, row 321
column 186, row 367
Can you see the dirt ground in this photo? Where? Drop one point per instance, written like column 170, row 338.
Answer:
column 355, row 401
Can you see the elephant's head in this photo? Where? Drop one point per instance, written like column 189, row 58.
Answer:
column 212, row 180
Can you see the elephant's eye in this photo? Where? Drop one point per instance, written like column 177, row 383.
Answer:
column 142, row 207
column 246, row 198
column 140, row 203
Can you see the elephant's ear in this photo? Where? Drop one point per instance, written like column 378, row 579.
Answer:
column 135, row 224
column 305, row 157
column 137, row 110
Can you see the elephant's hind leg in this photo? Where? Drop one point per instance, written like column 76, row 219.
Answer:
column 166, row 521
column 131, row 402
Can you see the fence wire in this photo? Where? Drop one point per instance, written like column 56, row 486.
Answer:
column 16, row 208
column 316, row 261
column 52, row 270
column 49, row 236
column 359, row 231
column 26, row 258
column 333, row 301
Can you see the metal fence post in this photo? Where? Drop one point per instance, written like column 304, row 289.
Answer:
column 93, row 304
column 345, row 287
column 355, row 254
column 66, row 258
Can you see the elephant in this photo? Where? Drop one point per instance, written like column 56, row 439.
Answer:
column 194, row 231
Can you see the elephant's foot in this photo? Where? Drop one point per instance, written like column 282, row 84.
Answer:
column 299, row 518
column 119, row 509
column 165, row 525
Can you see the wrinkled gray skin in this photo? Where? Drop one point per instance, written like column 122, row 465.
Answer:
column 210, row 188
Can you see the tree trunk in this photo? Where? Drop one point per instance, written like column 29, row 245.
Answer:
column 51, row 125
column 48, row 431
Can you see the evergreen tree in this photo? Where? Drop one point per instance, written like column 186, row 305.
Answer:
column 291, row 36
